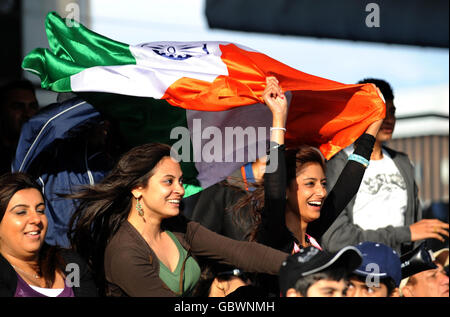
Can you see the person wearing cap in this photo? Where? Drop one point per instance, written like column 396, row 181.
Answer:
column 378, row 275
column 429, row 283
column 315, row 273
column 418, row 260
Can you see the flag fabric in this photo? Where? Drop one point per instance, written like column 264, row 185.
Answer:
column 206, row 87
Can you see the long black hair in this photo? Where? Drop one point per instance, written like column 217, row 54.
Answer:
column 103, row 207
column 253, row 202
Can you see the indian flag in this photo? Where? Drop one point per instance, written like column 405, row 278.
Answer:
column 205, row 87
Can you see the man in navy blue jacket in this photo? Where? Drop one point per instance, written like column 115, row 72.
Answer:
column 63, row 147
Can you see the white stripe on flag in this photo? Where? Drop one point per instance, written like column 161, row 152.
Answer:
column 158, row 65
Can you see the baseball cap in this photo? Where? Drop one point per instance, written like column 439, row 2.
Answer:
column 379, row 260
column 311, row 260
column 418, row 260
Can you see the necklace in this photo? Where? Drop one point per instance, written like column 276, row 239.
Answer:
column 35, row 275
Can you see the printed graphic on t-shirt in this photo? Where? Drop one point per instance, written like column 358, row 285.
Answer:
column 386, row 182
column 381, row 199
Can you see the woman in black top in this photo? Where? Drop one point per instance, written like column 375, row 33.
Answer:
column 298, row 185
column 293, row 206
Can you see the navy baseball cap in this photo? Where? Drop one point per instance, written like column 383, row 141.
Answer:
column 379, row 260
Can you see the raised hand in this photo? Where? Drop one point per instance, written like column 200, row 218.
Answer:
column 374, row 127
column 276, row 101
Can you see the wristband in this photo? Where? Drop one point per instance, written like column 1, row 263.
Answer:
column 277, row 128
column 359, row 159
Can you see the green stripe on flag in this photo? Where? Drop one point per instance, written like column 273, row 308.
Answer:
column 71, row 51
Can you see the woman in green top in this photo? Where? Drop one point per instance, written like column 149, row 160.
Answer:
column 129, row 227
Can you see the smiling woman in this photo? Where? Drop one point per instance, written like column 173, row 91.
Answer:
column 291, row 208
column 31, row 267
column 293, row 205
column 24, row 223
column 130, row 228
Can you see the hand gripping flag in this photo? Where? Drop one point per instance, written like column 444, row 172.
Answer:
column 215, row 87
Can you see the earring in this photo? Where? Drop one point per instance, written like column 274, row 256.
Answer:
column 139, row 208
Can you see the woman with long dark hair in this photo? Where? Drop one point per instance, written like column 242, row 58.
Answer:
column 292, row 208
column 130, row 229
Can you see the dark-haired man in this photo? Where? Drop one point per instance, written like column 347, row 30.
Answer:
column 18, row 103
column 315, row 273
column 386, row 208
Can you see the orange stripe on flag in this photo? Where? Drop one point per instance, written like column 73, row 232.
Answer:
column 323, row 113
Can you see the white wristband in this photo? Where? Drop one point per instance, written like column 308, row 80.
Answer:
column 277, row 128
